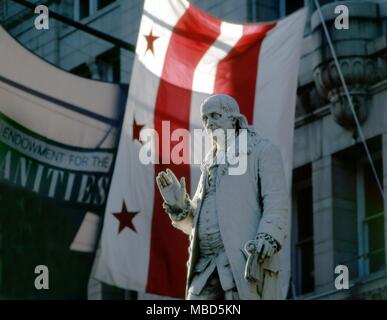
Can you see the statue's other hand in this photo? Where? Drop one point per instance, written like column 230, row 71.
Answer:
column 265, row 246
column 172, row 190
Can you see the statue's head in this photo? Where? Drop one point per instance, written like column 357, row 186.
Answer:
column 221, row 111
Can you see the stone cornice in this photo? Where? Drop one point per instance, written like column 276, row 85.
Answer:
column 362, row 56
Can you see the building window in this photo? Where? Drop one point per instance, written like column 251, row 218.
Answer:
column 86, row 8
column 266, row 10
column 370, row 217
column 105, row 67
column 9, row 10
column 263, row 10
column 109, row 65
column 82, row 9
column 292, row 5
column 321, row 2
column 82, row 71
column 103, row 3
column 303, row 259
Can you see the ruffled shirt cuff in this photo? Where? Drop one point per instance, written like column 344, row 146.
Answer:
column 273, row 242
column 178, row 214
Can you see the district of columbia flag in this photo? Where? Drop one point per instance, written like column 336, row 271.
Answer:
column 183, row 55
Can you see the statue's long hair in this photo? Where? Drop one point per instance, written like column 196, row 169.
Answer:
column 240, row 124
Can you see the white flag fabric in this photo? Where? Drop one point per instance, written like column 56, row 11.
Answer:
column 54, row 103
column 182, row 56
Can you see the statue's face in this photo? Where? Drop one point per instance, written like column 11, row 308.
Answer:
column 214, row 117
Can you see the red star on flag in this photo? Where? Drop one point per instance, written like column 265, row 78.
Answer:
column 150, row 38
column 136, row 130
column 125, row 218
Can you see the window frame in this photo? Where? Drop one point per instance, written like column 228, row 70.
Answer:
column 93, row 8
column 363, row 221
column 77, row 11
column 297, row 244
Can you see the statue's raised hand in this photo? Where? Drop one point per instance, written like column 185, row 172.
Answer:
column 172, row 190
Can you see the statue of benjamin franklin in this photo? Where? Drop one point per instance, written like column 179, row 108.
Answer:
column 237, row 223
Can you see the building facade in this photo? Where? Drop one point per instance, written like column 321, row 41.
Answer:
column 338, row 215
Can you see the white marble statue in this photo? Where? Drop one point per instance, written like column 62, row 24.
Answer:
column 237, row 223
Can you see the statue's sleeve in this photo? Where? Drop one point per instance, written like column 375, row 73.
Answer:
column 274, row 193
column 198, row 193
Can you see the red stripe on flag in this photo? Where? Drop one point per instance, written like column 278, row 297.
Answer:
column 192, row 36
column 236, row 74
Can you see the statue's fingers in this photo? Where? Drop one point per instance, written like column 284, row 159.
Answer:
column 252, row 247
column 162, row 174
column 182, row 183
column 159, row 177
column 265, row 251
column 167, row 178
column 158, row 182
column 172, row 176
column 163, row 181
column 259, row 247
column 271, row 252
